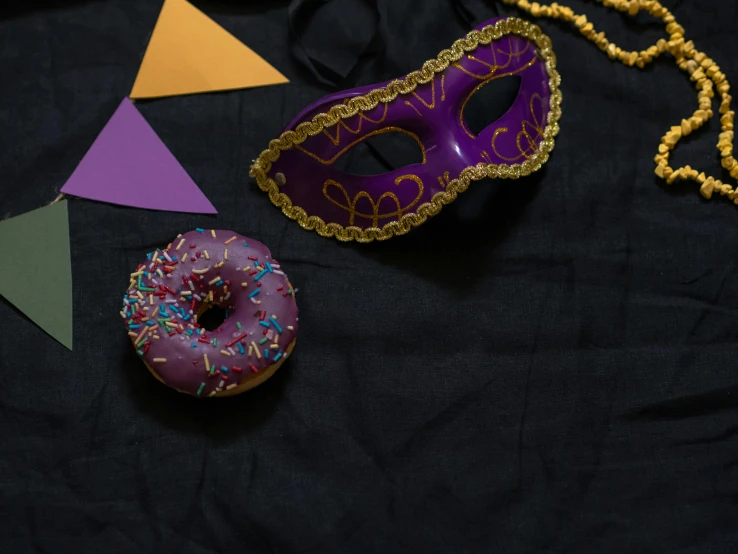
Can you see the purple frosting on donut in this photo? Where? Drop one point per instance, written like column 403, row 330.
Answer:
column 198, row 269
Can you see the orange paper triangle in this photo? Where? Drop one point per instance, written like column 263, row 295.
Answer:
column 190, row 53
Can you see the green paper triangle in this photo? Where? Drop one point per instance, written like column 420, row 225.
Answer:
column 36, row 268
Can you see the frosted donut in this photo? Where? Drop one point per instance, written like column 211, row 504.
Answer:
column 169, row 292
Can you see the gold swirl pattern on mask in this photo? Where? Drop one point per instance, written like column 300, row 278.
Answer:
column 375, row 216
column 342, row 124
column 530, row 131
column 432, row 104
column 349, row 146
column 444, row 181
column 494, row 67
column 289, row 139
column 480, row 85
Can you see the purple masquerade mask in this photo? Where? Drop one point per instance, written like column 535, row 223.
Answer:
column 428, row 105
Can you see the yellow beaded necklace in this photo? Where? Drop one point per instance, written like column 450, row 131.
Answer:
column 703, row 71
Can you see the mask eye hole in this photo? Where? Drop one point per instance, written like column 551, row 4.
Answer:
column 490, row 102
column 382, row 152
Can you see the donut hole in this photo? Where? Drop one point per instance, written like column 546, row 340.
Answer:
column 212, row 318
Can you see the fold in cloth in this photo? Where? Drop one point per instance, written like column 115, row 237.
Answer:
column 355, row 30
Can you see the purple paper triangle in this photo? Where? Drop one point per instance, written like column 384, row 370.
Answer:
column 129, row 165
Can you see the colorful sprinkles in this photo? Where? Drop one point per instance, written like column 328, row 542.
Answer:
column 168, row 293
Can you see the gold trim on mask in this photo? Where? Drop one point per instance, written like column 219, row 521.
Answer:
column 432, row 103
column 360, row 104
column 494, row 66
column 362, row 117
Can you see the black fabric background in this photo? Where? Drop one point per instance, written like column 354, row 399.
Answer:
column 547, row 366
